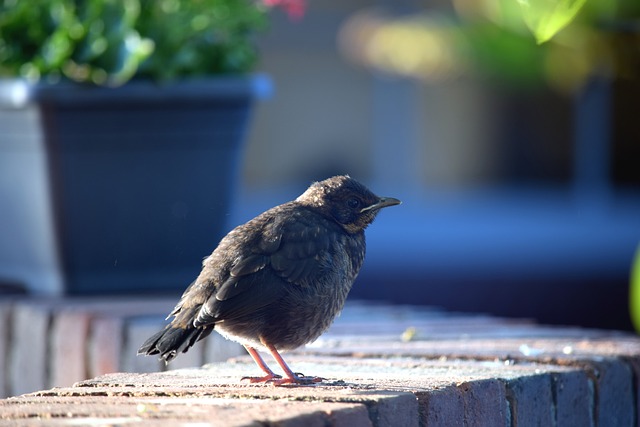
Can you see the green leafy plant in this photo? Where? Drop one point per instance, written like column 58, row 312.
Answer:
column 109, row 42
column 634, row 293
column 546, row 17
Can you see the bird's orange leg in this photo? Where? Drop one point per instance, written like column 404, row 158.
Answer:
column 292, row 378
column 263, row 366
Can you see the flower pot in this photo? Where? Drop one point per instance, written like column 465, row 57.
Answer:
column 137, row 184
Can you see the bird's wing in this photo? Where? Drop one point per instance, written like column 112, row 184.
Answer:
column 290, row 251
column 304, row 252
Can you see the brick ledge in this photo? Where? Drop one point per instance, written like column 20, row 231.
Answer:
column 449, row 370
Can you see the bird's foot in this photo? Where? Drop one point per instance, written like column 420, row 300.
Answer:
column 266, row 378
column 275, row 379
column 297, row 378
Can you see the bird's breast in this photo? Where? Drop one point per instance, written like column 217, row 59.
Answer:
column 305, row 308
column 305, row 312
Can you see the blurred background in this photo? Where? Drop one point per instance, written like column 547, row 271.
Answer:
column 508, row 128
column 517, row 161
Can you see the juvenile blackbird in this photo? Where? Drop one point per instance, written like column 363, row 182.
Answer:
column 278, row 281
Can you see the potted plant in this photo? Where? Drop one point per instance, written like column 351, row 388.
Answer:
column 122, row 127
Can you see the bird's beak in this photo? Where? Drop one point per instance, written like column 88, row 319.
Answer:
column 382, row 203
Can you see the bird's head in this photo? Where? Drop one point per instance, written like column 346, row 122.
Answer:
column 345, row 200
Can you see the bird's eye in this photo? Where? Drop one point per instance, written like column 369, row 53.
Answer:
column 353, row 203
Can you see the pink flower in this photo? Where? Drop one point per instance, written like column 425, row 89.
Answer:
column 294, row 8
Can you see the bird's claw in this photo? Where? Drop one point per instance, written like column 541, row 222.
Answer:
column 265, row 379
column 298, row 378
column 275, row 379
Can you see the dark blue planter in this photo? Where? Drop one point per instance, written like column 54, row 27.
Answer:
column 141, row 177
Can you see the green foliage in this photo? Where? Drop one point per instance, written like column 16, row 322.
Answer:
column 634, row 294
column 546, row 17
column 112, row 41
column 506, row 55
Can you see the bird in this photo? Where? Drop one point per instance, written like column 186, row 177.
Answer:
column 278, row 281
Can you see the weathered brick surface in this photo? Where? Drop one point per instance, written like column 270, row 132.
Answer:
column 424, row 392
column 634, row 364
column 29, row 350
column 614, row 392
column 442, row 407
column 69, row 333
column 5, row 326
column 398, row 409
column 105, row 345
column 573, row 398
column 175, row 410
column 383, row 366
column 531, row 401
column 351, row 416
column 46, row 342
column 484, row 403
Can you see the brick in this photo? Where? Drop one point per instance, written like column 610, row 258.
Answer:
column 163, row 411
column 634, row 364
column 5, row 343
column 573, row 396
column 356, row 321
column 69, row 333
column 533, row 344
column 501, row 374
column 105, row 345
column 116, row 306
column 349, row 416
column 613, row 387
column 393, row 409
column 485, row 403
column 531, row 400
column 442, row 407
column 309, row 414
column 29, row 348
column 384, row 407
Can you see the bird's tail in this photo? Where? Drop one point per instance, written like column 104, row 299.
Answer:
column 177, row 337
